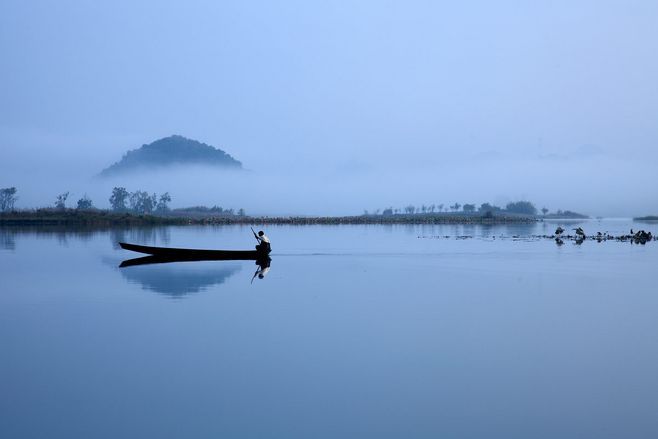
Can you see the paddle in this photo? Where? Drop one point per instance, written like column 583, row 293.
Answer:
column 255, row 235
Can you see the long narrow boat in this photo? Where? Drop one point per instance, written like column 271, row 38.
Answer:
column 195, row 254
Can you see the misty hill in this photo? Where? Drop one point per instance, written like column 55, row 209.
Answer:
column 172, row 150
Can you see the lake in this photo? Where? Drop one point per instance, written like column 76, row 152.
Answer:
column 355, row 332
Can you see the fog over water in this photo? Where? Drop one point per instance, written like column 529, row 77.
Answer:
column 336, row 108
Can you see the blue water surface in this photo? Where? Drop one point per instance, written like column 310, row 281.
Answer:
column 355, row 332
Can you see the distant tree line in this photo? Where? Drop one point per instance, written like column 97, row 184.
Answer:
column 215, row 210
column 516, row 207
column 8, row 199
column 138, row 201
column 144, row 203
column 485, row 209
column 84, row 203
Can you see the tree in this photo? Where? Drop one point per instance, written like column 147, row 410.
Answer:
column 142, row 202
column 455, row 207
column 388, row 211
column 118, row 198
column 60, row 202
column 544, row 211
column 7, row 198
column 432, row 207
column 423, row 208
column 469, row 208
column 151, row 203
column 410, row 209
column 85, row 203
column 486, row 207
column 522, row 207
column 163, row 203
column 440, row 207
column 241, row 212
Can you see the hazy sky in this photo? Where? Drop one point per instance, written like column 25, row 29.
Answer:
column 340, row 106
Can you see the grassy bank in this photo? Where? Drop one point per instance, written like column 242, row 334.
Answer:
column 74, row 217
column 104, row 218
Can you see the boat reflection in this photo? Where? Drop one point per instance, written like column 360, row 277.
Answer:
column 148, row 260
column 174, row 278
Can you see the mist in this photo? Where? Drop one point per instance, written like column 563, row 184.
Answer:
column 584, row 185
column 337, row 108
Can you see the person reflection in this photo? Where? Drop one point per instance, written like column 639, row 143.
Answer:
column 262, row 270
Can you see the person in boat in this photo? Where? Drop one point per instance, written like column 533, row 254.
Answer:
column 263, row 242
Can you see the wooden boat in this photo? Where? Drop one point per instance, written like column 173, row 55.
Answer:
column 188, row 254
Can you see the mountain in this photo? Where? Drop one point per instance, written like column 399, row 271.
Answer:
column 172, row 150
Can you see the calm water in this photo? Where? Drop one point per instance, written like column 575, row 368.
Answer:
column 355, row 332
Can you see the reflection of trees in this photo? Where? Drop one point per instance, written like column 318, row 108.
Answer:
column 521, row 229
column 178, row 279
column 486, row 230
column 63, row 234
column 9, row 235
column 7, row 239
column 468, row 230
column 61, row 238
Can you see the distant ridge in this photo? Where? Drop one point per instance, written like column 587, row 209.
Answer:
column 172, row 150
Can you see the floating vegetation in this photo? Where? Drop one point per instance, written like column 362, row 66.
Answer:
column 639, row 237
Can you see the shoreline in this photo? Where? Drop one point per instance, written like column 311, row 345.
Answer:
column 104, row 218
